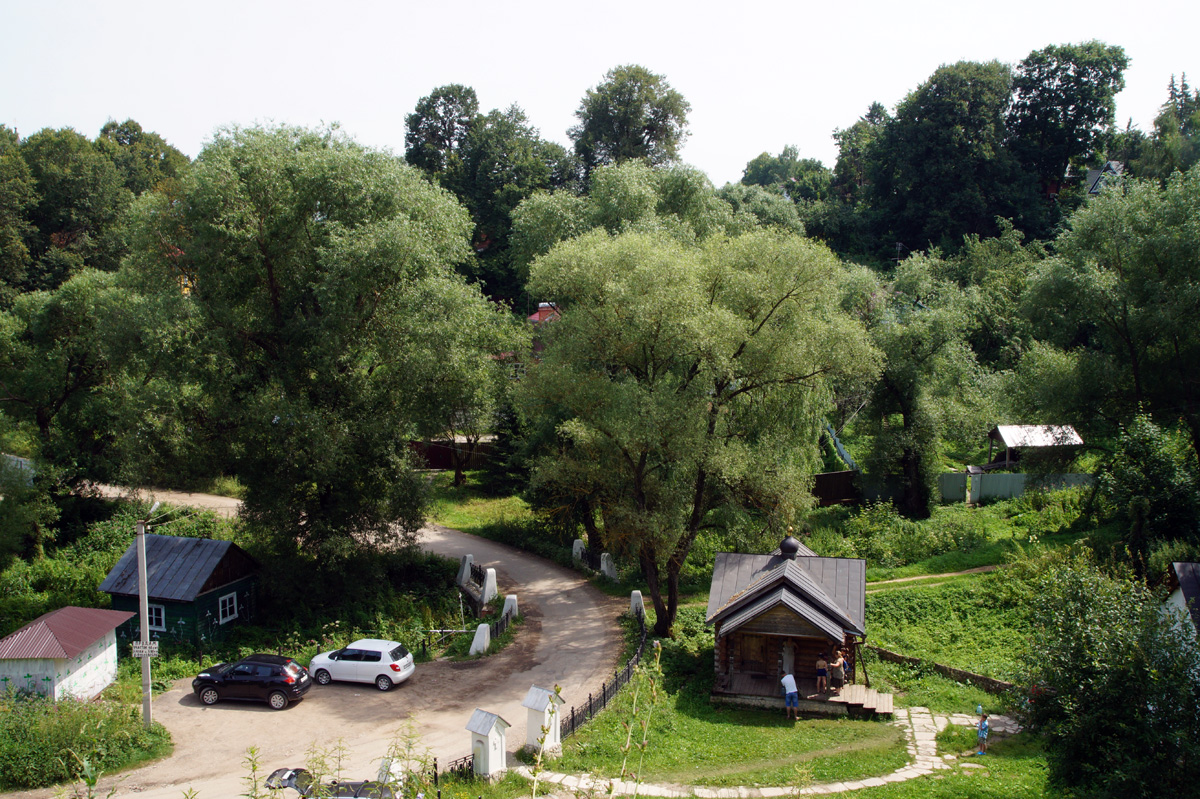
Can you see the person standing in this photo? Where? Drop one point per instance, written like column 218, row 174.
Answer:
column 822, row 681
column 791, row 697
column 836, row 675
column 983, row 733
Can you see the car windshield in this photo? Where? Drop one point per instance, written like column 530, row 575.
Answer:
column 399, row 653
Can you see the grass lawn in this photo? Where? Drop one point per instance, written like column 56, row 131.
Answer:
column 692, row 742
column 468, row 509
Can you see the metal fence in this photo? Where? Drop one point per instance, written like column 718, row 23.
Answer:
column 591, row 559
column 478, row 574
column 498, row 627
column 578, row 716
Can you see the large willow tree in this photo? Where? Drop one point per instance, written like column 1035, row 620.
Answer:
column 690, row 381
column 330, row 324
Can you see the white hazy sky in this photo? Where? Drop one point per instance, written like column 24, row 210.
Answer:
column 759, row 74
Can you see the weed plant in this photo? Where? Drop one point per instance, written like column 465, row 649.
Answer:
column 43, row 742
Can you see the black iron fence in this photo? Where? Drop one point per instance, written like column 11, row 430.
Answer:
column 498, row 627
column 478, row 574
column 591, row 559
column 578, row 716
column 464, row 767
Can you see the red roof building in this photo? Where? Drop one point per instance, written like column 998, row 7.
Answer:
column 70, row 651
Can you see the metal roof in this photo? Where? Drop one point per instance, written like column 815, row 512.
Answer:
column 540, row 698
column 481, row 722
column 835, row 586
column 177, row 569
column 62, row 633
column 1036, row 435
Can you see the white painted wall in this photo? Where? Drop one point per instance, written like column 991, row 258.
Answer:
column 1176, row 602
column 82, row 677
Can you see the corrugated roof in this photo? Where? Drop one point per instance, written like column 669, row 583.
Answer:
column 1036, row 435
column 62, row 633
column 176, row 568
column 837, row 586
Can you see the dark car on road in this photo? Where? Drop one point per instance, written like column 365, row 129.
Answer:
column 273, row 679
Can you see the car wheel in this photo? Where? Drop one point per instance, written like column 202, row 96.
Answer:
column 277, row 700
column 322, row 677
column 383, row 682
column 209, row 695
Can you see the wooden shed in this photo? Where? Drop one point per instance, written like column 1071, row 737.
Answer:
column 197, row 588
column 66, row 652
column 775, row 614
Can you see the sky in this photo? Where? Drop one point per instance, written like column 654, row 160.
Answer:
column 759, row 75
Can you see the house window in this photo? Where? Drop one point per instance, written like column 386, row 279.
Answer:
column 156, row 617
column 228, row 607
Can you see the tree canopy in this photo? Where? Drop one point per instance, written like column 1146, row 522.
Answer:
column 689, row 382
column 632, row 113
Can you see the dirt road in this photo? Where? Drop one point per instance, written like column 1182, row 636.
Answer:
column 570, row 638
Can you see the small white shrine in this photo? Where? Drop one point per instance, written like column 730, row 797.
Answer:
column 543, row 706
column 488, row 743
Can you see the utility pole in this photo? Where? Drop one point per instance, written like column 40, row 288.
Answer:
column 145, row 651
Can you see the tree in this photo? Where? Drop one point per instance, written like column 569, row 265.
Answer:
column 802, row 179
column 322, row 276
column 80, row 200
column 687, row 383
column 143, row 158
column 438, row 127
column 1064, row 99
column 939, row 169
column 17, row 196
column 1114, row 686
column 929, row 390
column 1123, row 297
column 633, row 113
column 501, row 161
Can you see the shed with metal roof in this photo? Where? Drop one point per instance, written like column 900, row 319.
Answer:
column 197, row 587
column 776, row 614
column 1183, row 580
column 67, row 652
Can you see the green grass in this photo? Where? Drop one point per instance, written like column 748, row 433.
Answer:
column 923, row 687
column 693, row 742
column 470, row 510
column 974, row 623
column 1013, row 768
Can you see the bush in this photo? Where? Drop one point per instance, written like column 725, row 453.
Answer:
column 43, row 742
column 881, row 535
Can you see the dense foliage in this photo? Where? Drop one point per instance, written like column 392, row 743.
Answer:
column 43, row 743
column 1111, row 674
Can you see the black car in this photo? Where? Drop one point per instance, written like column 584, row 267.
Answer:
column 273, row 679
column 303, row 783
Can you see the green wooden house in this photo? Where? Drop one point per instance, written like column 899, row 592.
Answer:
column 198, row 588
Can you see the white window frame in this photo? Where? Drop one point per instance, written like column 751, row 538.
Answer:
column 161, row 612
column 221, row 607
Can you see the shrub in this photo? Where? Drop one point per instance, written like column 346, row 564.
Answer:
column 44, row 742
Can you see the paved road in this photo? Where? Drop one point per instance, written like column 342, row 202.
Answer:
column 570, row 638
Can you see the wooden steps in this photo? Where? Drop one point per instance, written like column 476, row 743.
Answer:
column 859, row 697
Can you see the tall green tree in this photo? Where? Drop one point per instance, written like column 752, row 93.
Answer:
column 322, row 274
column 1121, row 300
column 688, row 383
column 80, row 198
column 143, row 158
column 1064, row 100
column 939, row 170
column 435, row 131
column 632, row 114
column 17, row 196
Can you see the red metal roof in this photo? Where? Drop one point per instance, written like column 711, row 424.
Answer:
column 62, row 633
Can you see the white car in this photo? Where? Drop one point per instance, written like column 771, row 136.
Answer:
column 385, row 663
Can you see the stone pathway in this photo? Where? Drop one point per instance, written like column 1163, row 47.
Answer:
column 920, row 727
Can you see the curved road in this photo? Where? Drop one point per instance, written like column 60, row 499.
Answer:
column 569, row 638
